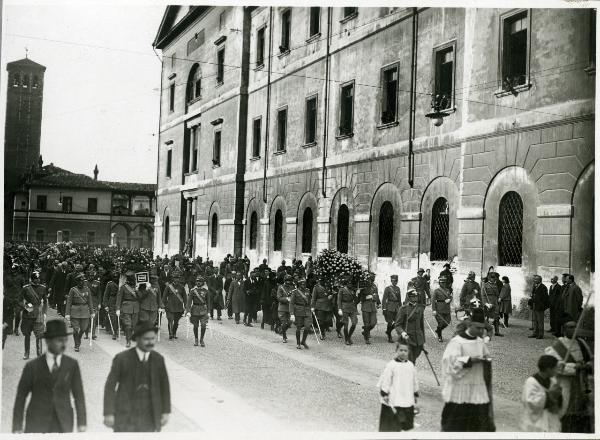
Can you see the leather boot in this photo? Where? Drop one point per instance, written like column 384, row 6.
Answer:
column 304, row 336
column 346, row 335
column 298, row 339
column 352, row 328
column 202, row 332
column 497, row 329
column 195, row 342
column 388, row 332
column 128, row 338
column 367, row 334
column 284, row 334
column 38, row 346
column 438, row 332
column 27, row 344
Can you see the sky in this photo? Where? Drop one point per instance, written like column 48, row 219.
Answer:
column 101, row 86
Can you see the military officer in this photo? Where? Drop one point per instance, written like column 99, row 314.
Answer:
column 470, row 290
column 215, row 290
column 149, row 300
column 321, row 306
column 410, row 325
column 390, row 303
column 110, row 301
column 490, row 295
column 347, row 310
column 440, row 304
column 369, row 303
column 197, row 309
column 300, row 312
column 174, row 298
column 34, row 303
column 93, row 283
column 128, row 306
column 284, row 293
column 421, row 285
column 79, row 310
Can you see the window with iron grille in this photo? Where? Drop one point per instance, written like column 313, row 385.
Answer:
column 286, row 29
column 307, row 224
column 389, row 96
column 311, row 120
column 444, row 77
column 440, row 223
column 217, row 148
column 386, row 230
column 214, row 229
column 253, row 230
column 260, row 47
column 510, row 230
column 42, row 203
column 514, row 49
column 315, row 21
column 256, row 127
column 166, row 230
column 278, row 231
column 347, row 109
column 220, row 65
column 172, row 98
column 281, row 129
column 343, row 223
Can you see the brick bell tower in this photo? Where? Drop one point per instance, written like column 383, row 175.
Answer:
column 22, row 129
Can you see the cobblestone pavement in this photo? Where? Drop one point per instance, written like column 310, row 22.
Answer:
column 245, row 379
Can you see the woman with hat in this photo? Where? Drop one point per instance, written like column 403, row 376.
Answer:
column 197, row 309
column 79, row 310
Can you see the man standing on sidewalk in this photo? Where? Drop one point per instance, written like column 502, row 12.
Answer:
column 51, row 380
column 539, row 305
column 137, row 396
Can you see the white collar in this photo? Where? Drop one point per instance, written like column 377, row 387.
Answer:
column 50, row 359
column 142, row 355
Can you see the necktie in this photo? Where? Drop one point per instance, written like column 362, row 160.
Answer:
column 55, row 365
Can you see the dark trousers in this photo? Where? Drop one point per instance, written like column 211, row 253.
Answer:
column 230, row 310
column 414, row 352
column 173, row 322
column 55, row 426
column 212, row 310
column 13, row 324
column 554, row 320
column 538, row 323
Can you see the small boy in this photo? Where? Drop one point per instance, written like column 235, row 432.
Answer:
column 399, row 389
column 542, row 398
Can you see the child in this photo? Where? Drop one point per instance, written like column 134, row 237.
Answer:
column 398, row 389
column 542, row 398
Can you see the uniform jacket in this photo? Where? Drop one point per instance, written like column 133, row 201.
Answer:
column 119, row 392
column 320, row 299
column 422, row 287
column 197, row 301
column 36, row 296
column 47, row 393
column 490, row 293
column 150, row 299
column 79, row 303
column 409, row 319
column 300, row 302
column 470, row 290
column 369, row 305
column 346, row 300
column 174, row 298
column 391, row 300
column 284, row 292
column 128, row 300
column 540, row 298
column 438, row 300
column 110, row 294
column 237, row 296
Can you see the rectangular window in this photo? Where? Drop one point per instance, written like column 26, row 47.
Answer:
column 92, row 205
column 286, row 29
column 169, row 160
column 220, row 65
column 515, row 43
column 91, row 236
column 67, row 204
column 172, row 98
column 315, row 21
column 260, row 47
column 350, row 12
column 311, row 120
column 42, row 203
column 217, row 149
column 347, row 109
column 39, row 235
column 256, row 126
column 281, row 129
column 444, row 77
column 66, row 235
column 389, row 94
column 195, row 142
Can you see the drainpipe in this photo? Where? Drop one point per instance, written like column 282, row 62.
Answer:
column 411, row 122
column 162, row 244
column 267, row 119
column 326, row 104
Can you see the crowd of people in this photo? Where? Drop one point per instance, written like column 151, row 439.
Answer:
column 99, row 288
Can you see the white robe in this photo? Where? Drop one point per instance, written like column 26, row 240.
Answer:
column 534, row 416
column 399, row 381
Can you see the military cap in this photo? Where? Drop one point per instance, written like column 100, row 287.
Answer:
column 79, row 276
column 200, row 278
column 411, row 292
column 442, row 278
column 420, row 270
column 471, row 275
column 447, row 265
column 394, row 277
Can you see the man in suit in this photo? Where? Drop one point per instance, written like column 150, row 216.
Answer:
column 554, row 295
column 214, row 283
column 137, row 396
column 51, row 380
column 572, row 300
column 539, row 303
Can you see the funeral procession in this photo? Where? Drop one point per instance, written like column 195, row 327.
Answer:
column 275, row 220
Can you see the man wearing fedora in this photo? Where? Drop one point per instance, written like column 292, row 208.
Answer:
column 51, row 380
column 137, row 397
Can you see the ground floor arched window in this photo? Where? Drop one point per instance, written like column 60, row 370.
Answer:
column 510, row 230
column 343, row 224
column 386, row 230
column 440, row 225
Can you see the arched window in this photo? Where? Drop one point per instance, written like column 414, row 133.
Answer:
column 440, row 224
column 307, row 220
column 253, row 230
column 194, row 85
column 35, row 82
column 278, row 231
column 166, row 230
column 16, row 80
column 25, row 80
column 386, row 230
column 214, row 228
column 343, row 222
column 510, row 230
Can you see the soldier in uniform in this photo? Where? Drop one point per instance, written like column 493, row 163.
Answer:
column 34, row 302
column 110, row 301
column 300, row 312
column 390, row 303
column 284, row 294
column 128, row 306
column 448, row 274
column 80, row 310
column 421, row 285
column 321, row 306
column 346, row 302
column 440, row 304
column 149, row 301
column 93, row 282
column 470, row 290
column 197, row 309
column 215, row 290
column 410, row 325
column 174, row 298
column 369, row 303
column 490, row 295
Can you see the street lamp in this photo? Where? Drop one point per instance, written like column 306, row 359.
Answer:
column 438, row 104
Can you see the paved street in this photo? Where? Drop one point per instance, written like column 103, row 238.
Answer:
column 246, row 379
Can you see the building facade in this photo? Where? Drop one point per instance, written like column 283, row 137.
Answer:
column 58, row 205
column 406, row 137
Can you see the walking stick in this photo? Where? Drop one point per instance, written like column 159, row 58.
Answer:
column 426, row 353
column 318, row 326
column 119, row 328
column 427, row 322
column 316, row 337
column 187, row 329
column 92, row 329
column 112, row 329
column 159, row 323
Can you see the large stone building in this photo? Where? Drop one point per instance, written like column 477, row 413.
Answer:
column 288, row 130
column 57, row 205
